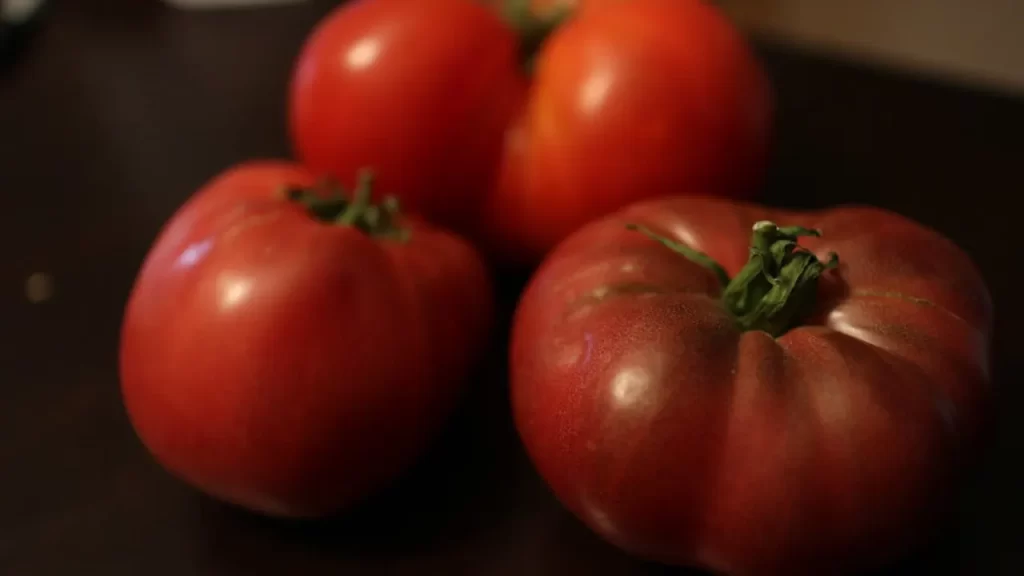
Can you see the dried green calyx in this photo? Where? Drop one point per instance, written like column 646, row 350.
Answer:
column 776, row 288
column 329, row 202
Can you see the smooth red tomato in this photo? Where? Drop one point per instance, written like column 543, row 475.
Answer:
column 291, row 362
column 629, row 99
column 421, row 91
column 735, row 402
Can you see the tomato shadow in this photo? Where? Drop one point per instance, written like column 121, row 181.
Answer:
column 450, row 493
column 472, row 505
column 959, row 545
column 568, row 547
column 941, row 557
column 459, row 488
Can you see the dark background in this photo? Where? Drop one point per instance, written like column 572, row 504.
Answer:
column 117, row 110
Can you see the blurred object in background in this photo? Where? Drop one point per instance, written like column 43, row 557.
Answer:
column 971, row 41
column 17, row 19
column 208, row 4
column 14, row 12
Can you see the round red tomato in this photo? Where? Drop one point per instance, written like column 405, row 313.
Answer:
column 420, row 90
column 629, row 99
column 736, row 402
column 289, row 349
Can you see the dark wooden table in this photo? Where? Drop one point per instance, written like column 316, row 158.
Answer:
column 119, row 109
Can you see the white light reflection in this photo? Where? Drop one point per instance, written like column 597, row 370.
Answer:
column 194, row 253
column 833, row 404
column 574, row 353
column 595, row 90
column 841, row 321
column 363, row 54
column 602, row 521
column 684, row 235
column 629, row 386
column 589, row 339
column 233, row 290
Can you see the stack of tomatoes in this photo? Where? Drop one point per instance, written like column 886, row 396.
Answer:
column 701, row 380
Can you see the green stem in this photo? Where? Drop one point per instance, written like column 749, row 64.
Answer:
column 329, row 203
column 533, row 29
column 361, row 197
column 776, row 288
column 690, row 254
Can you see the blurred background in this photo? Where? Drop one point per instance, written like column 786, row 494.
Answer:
column 972, row 41
column 978, row 42
column 113, row 111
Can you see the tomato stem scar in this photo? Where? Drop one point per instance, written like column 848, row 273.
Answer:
column 776, row 288
column 533, row 29
column 328, row 202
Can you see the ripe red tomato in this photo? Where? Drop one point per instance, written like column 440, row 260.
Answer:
column 801, row 420
column 290, row 351
column 422, row 91
column 630, row 99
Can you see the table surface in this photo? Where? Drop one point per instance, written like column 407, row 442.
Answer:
column 118, row 110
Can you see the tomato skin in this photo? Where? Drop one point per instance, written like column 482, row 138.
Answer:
column 680, row 439
column 630, row 100
column 419, row 91
column 291, row 366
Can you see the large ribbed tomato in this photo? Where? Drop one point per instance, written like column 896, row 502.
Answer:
column 291, row 350
column 754, row 408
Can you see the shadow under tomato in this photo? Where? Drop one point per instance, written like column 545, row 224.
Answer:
column 457, row 489
column 576, row 550
column 474, row 495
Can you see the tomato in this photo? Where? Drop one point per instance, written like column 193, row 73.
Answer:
column 422, row 91
column 629, row 100
column 290, row 351
column 626, row 100
column 753, row 408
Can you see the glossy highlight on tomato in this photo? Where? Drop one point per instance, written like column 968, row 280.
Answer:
column 629, row 99
column 753, row 391
column 420, row 90
column 290, row 347
column 517, row 132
